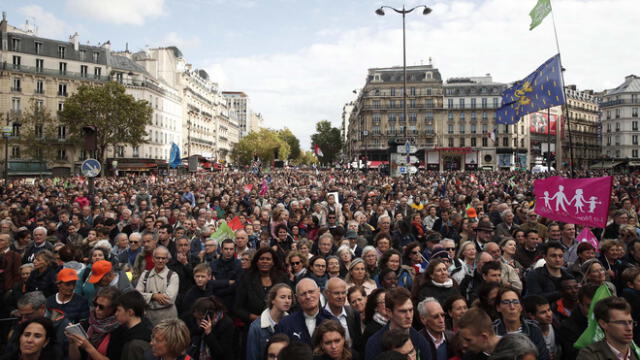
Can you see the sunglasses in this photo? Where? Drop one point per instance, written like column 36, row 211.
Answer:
column 295, row 263
column 99, row 306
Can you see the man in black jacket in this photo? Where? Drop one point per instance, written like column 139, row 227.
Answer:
column 571, row 328
column 39, row 243
column 432, row 317
column 226, row 271
column 546, row 280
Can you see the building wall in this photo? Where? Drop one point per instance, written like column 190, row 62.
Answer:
column 377, row 116
column 619, row 116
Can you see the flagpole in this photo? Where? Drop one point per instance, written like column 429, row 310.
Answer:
column 565, row 110
column 549, row 140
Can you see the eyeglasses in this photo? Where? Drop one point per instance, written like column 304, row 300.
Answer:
column 99, row 306
column 450, row 249
column 320, row 266
column 133, row 242
column 513, row 302
column 295, row 263
column 624, row 322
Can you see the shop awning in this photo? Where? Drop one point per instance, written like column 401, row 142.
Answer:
column 634, row 163
column 376, row 164
column 606, row 164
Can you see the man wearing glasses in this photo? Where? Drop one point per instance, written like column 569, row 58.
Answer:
column 159, row 287
column 613, row 314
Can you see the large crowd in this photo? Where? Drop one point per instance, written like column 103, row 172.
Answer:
column 319, row 264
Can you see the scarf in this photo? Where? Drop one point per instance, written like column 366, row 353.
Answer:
column 99, row 328
column 446, row 284
column 377, row 317
column 205, row 353
column 418, row 226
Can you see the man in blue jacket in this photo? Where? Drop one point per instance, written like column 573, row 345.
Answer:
column 299, row 326
column 400, row 309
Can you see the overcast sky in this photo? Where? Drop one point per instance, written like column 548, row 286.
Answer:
column 300, row 60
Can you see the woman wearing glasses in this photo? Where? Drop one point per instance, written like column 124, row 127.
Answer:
column 99, row 328
column 510, row 320
column 318, row 271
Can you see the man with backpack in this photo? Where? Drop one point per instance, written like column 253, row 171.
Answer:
column 159, row 286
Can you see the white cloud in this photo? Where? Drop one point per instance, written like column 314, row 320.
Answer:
column 174, row 39
column 464, row 38
column 130, row 12
column 47, row 24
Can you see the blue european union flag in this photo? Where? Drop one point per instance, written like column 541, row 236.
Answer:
column 542, row 89
column 174, row 156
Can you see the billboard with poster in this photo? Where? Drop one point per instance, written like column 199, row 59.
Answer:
column 538, row 123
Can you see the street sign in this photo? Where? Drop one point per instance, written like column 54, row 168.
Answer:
column 403, row 170
column 413, row 159
column 402, row 149
column 91, row 168
column 413, row 169
column 407, row 147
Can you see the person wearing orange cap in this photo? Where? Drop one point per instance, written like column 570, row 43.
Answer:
column 103, row 274
column 75, row 307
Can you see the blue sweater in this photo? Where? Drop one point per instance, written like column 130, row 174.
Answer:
column 75, row 310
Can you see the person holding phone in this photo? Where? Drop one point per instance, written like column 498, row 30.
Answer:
column 214, row 333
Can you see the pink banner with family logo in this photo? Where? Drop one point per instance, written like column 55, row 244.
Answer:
column 577, row 201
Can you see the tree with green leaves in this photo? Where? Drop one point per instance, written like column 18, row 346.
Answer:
column 294, row 144
column 39, row 138
column 119, row 119
column 266, row 144
column 328, row 140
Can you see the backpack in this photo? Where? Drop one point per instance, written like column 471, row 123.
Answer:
column 146, row 276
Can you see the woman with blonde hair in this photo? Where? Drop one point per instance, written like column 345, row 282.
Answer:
column 170, row 339
column 358, row 276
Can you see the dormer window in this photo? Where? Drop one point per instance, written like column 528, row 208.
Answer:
column 377, row 78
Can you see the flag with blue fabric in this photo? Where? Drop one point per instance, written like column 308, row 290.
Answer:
column 542, row 89
column 174, row 156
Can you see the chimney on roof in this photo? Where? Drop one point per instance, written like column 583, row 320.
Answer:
column 107, row 45
column 75, row 39
column 631, row 77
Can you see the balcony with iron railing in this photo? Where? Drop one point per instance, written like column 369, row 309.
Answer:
column 53, row 72
column 471, row 107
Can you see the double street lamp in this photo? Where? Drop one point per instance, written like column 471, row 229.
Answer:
column 426, row 11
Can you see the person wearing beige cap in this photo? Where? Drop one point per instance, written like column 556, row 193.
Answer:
column 74, row 307
column 103, row 274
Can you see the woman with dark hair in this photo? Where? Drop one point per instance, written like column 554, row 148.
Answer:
column 318, row 271
column 44, row 274
column 264, row 272
column 387, row 279
column 375, row 313
column 329, row 342
column 417, row 228
column 357, row 299
column 487, row 294
column 102, row 322
column 213, row 337
column 35, row 341
column 393, row 260
column 510, row 320
column 454, row 308
column 435, row 282
column 412, row 255
column 279, row 300
column 281, row 244
column 275, row 344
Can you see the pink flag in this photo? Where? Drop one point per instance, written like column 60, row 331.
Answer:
column 579, row 201
column 587, row 236
column 264, row 188
column 248, row 188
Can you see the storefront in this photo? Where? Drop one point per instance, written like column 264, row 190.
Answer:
column 452, row 159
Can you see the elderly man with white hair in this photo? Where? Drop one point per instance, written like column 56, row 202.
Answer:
column 39, row 243
column 159, row 287
column 505, row 228
column 432, row 316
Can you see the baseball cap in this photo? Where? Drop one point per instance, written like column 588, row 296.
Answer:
column 98, row 270
column 471, row 213
column 66, row 275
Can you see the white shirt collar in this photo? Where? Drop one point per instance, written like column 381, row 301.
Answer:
column 343, row 313
column 60, row 301
column 435, row 341
column 619, row 355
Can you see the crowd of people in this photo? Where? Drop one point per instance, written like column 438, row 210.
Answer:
column 320, row 264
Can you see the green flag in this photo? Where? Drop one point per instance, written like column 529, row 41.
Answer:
column 594, row 333
column 224, row 232
column 539, row 12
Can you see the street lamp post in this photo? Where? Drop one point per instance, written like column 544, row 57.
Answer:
column 7, row 133
column 404, row 12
